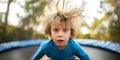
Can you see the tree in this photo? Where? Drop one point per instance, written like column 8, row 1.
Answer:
column 33, row 9
column 114, row 26
column 5, row 24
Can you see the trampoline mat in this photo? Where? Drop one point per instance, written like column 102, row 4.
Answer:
column 26, row 53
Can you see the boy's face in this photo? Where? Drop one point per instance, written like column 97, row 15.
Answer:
column 60, row 33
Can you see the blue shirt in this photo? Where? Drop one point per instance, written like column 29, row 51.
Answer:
column 72, row 49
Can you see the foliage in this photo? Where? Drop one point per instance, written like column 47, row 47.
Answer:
column 15, row 34
column 33, row 8
column 28, row 24
column 107, row 28
column 114, row 26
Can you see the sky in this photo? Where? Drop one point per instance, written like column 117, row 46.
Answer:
column 90, row 11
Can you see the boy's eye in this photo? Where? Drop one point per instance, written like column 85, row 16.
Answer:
column 56, row 30
column 65, row 30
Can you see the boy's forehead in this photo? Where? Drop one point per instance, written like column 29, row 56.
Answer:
column 59, row 24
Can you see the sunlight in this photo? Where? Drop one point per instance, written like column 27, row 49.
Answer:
column 3, row 8
column 84, row 30
column 91, row 10
column 15, row 9
column 40, row 27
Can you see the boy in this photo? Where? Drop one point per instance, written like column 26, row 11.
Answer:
column 61, row 27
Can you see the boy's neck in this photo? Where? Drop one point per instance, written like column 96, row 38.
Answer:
column 61, row 48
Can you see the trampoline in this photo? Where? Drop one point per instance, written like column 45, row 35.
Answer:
column 24, row 50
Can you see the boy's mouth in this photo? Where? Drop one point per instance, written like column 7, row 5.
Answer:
column 60, row 40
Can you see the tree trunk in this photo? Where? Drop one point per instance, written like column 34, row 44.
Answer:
column 6, row 22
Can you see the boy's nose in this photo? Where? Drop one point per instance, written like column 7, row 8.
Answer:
column 60, row 34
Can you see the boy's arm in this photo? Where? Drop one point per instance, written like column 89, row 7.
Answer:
column 39, row 54
column 81, row 53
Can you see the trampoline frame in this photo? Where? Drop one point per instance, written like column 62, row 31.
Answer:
column 107, row 45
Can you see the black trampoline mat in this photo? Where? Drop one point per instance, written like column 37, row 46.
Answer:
column 26, row 53
column 101, row 54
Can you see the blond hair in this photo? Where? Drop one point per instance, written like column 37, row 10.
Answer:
column 61, row 11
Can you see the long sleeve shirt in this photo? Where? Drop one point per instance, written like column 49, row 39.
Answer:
column 50, row 49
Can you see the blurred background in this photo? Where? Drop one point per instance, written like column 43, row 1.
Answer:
column 18, row 20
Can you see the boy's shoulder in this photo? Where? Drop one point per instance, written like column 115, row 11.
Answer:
column 74, row 44
column 47, row 44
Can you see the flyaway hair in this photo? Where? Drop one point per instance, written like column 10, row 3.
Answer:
column 62, row 10
column 67, row 8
